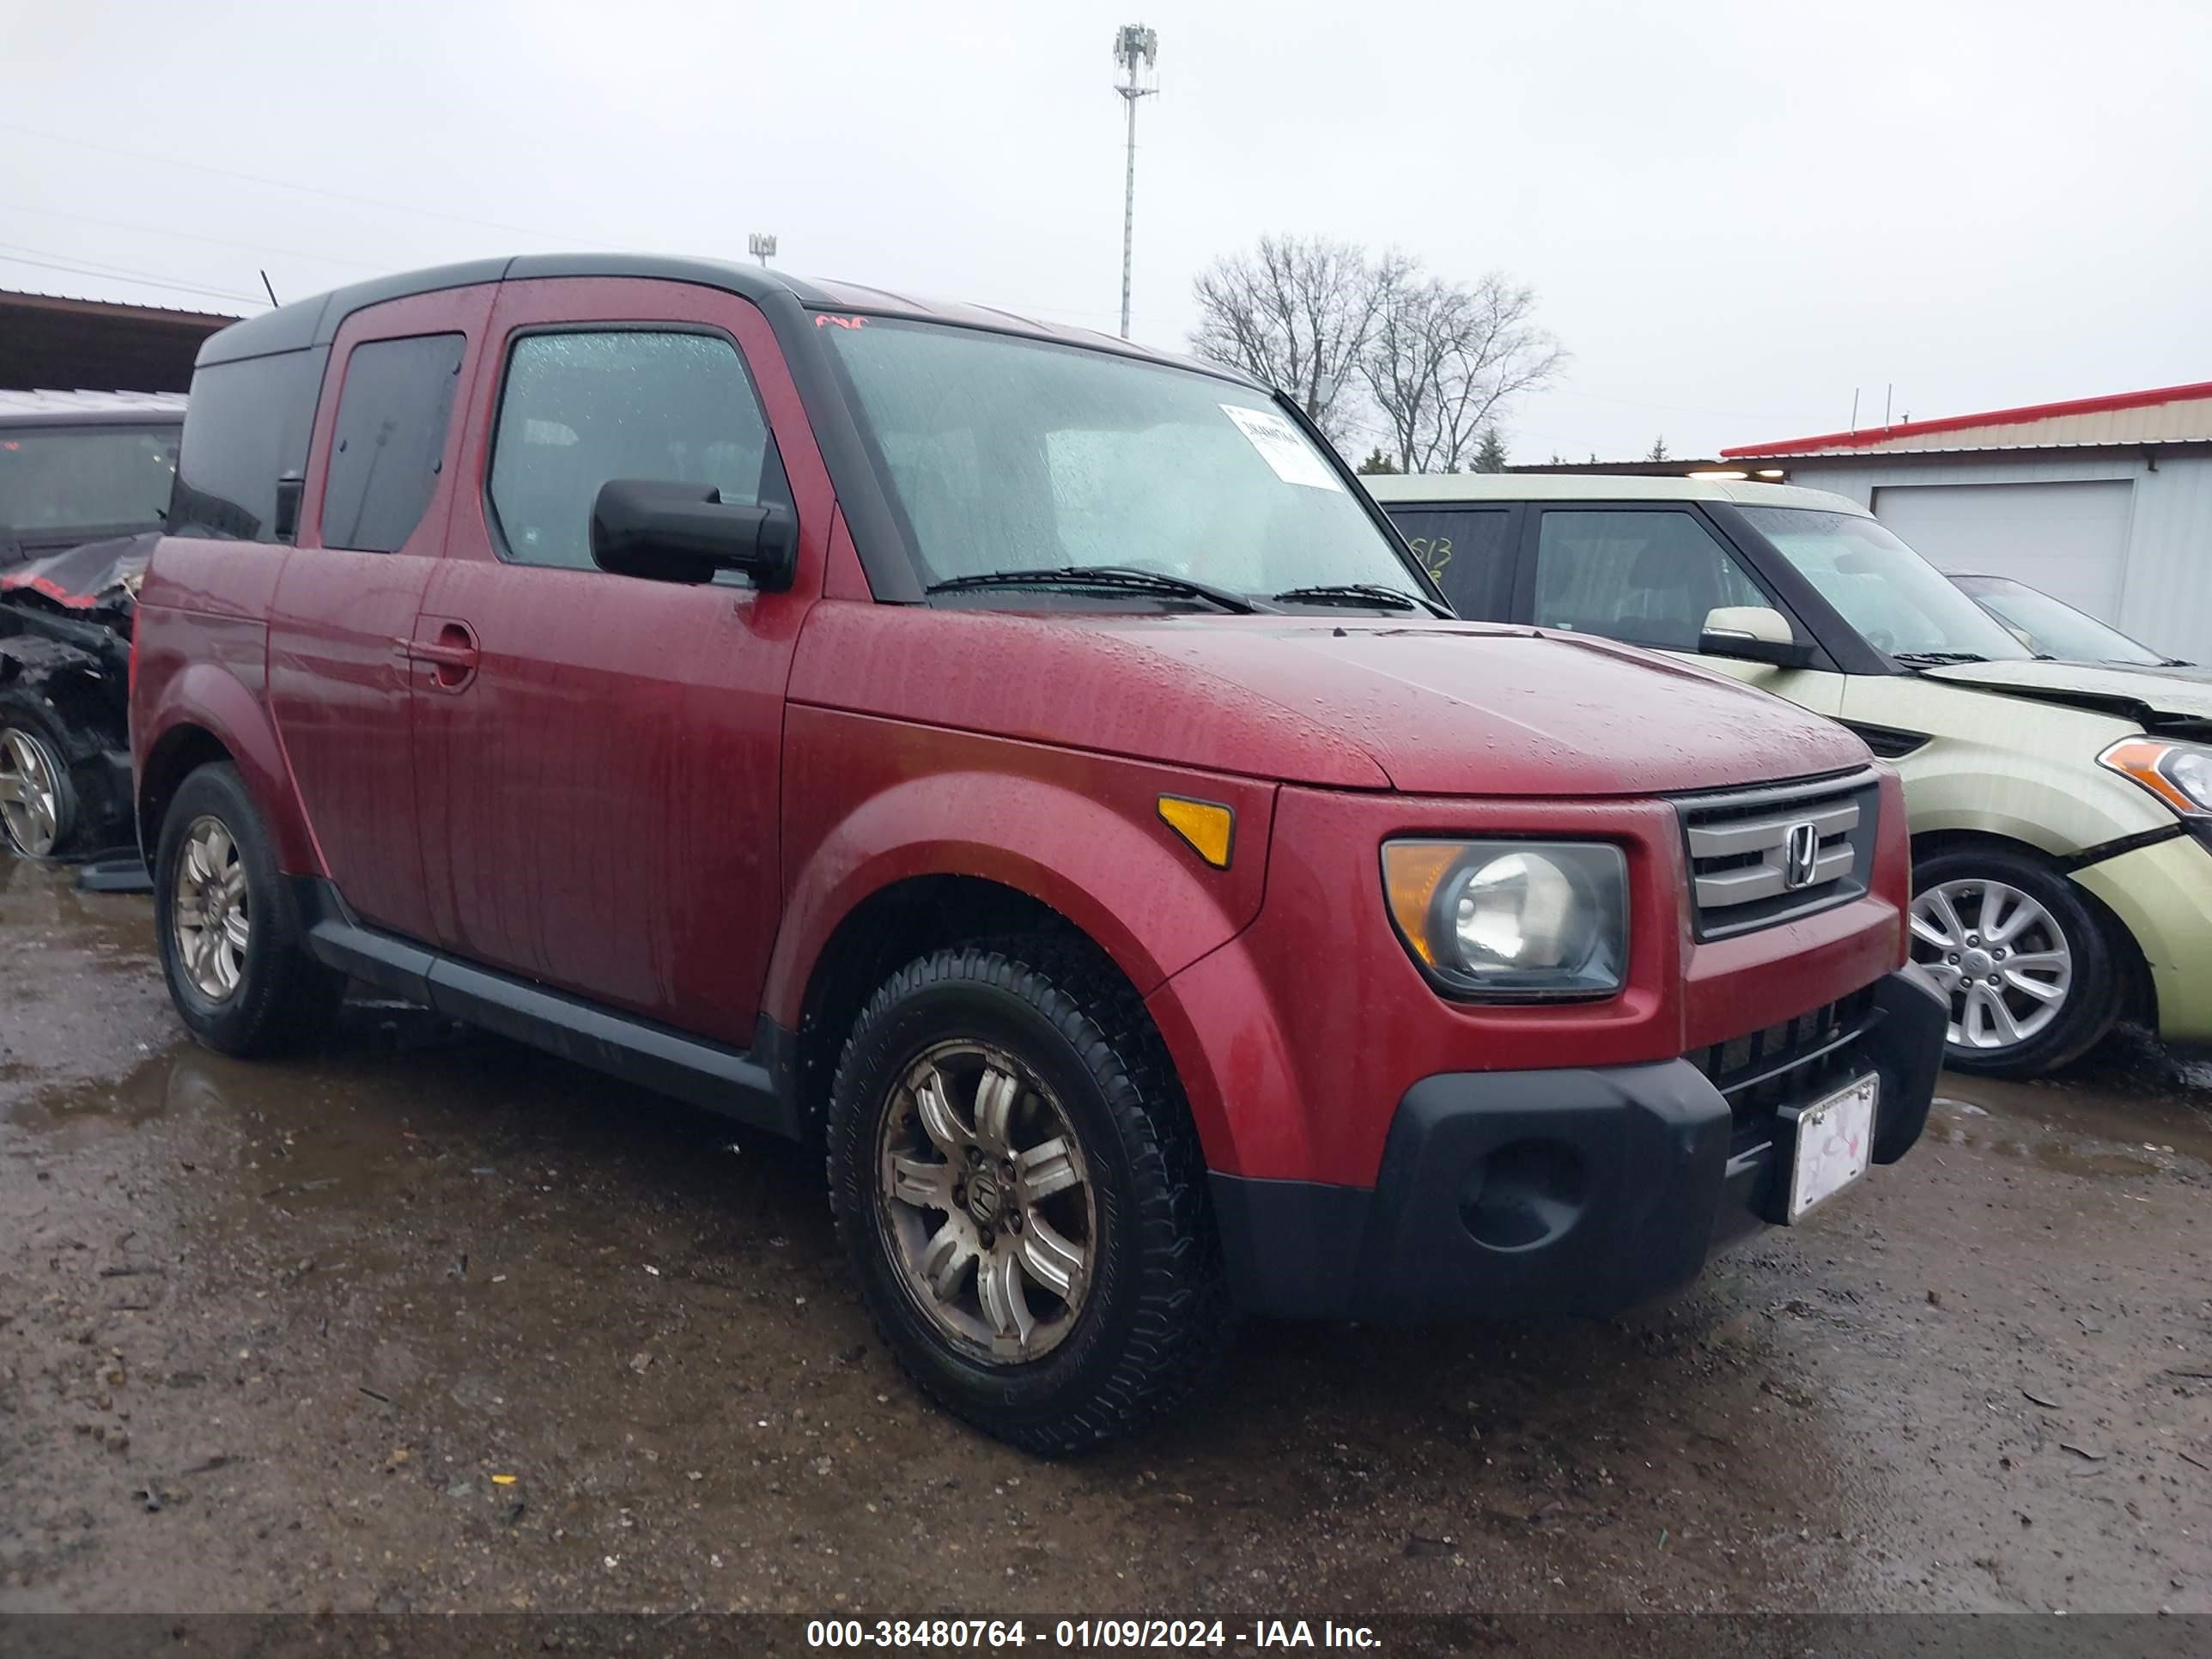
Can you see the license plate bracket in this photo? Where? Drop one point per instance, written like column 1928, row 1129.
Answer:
column 1829, row 1143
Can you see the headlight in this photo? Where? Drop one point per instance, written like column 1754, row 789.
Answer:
column 2178, row 773
column 1512, row 920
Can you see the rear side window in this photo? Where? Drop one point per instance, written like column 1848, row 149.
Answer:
column 1649, row 578
column 389, row 440
column 246, row 426
column 580, row 409
column 1463, row 550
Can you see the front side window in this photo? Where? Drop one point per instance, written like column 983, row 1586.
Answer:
column 1010, row 455
column 579, row 409
column 91, row 477
column 1647, row 577
column 1897, row 600
column 389, row 440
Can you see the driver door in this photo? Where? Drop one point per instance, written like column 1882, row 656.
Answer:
column 1649, row 575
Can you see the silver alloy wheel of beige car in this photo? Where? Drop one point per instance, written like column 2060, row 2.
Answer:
column 985, row 1202
column 209, row 915
column 2000, row 957
column 30, row 791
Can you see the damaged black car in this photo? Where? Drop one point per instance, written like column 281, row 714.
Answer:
column 64, row 686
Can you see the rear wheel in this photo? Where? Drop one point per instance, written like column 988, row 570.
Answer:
column 228, row 929
column 1016, row 1178
column 38, row 807
column 2025, row 963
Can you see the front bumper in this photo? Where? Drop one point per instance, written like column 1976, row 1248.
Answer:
column 2163, row 896
column 1572, row 1191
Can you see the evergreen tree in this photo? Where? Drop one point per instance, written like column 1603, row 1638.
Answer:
column 1378, row 462
column 1658, row 450
column 1490, row 452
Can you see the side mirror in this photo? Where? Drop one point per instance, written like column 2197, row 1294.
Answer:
column 685, row 533
column 1753, row 632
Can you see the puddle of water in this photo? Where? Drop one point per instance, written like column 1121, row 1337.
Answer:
column 2057, row 1156
column 2126, row 1093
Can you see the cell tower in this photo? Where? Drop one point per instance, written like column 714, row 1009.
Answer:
column 1137, row 51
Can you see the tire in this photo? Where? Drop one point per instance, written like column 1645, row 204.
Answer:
column 257, row 990
column 39, row 811
column 1125, row 1222
column 2040, row 918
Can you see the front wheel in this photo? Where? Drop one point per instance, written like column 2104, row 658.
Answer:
column 1015, row 1176
column 37, row 800
column 2025, row 961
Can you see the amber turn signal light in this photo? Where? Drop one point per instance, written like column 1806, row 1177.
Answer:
column 1208, row 826
column 1411, row 872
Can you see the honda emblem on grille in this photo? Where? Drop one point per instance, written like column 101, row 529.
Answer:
column 1800, row 856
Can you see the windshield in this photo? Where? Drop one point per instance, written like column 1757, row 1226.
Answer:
column 90, row 477
column 1901, row 602
column 1007, row 454
column 2054, row 628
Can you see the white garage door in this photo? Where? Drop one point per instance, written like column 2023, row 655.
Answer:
column 2068, row 539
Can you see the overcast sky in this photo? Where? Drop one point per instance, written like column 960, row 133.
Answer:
column 1734, row 213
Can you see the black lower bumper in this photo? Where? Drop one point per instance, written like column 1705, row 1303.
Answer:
column 1573, row 1191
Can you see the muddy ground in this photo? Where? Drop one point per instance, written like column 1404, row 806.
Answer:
column 429, row 1322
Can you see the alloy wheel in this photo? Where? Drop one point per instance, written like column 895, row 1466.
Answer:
column 210, row 917
column 1998, row 955
column 985, row 1202
column 30, row 792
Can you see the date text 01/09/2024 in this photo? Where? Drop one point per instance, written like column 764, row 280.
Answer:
column 986, row 1635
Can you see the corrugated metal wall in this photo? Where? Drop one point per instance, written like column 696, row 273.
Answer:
column 2166, row 598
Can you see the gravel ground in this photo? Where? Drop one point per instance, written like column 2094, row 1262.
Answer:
column 428, row 1323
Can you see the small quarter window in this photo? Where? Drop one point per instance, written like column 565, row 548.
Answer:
column 1463, row 551
column 580, row 409
column 390, row 440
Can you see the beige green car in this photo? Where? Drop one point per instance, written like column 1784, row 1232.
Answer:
column 2061, row 812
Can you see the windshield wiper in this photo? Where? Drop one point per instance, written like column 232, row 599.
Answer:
column 1101, row 577
column 1938, row 657
column 1359, row 593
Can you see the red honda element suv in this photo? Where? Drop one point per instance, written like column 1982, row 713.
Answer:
column 1029, row 767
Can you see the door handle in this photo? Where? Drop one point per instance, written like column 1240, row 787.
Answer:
column 452, row 657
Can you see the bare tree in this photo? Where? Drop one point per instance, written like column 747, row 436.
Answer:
column 1445, row 360
column 1420, row 329
column 1298, row 312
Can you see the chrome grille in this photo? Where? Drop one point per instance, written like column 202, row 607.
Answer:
column 1762, row 856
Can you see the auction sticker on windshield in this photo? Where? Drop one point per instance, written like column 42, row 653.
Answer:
column 1834, row 1137
column 1295, row 461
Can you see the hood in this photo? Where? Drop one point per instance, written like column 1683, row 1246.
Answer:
column 2150, row 696
column 98, row 581
column 2188, row 673
column 1427, row 708
column 1454, row 708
